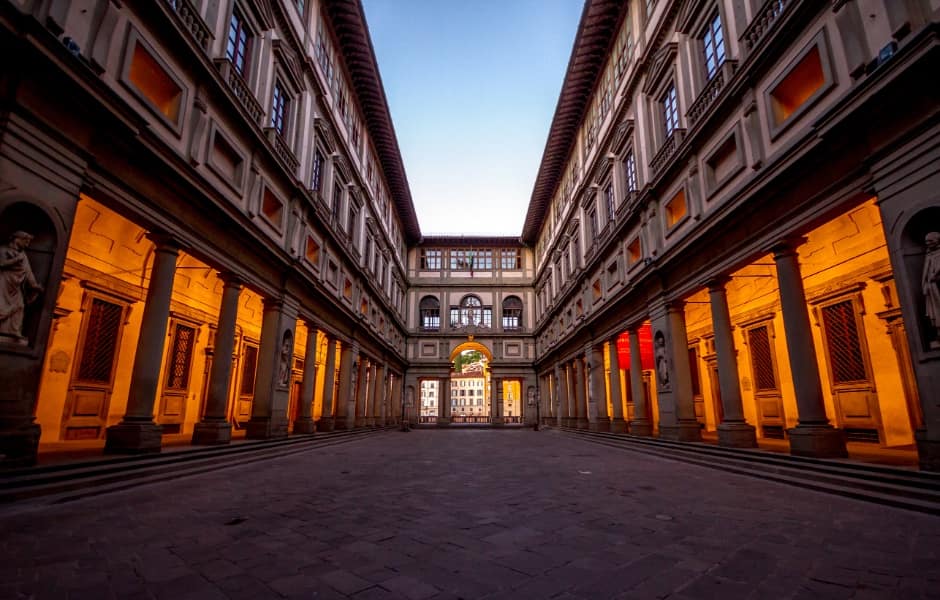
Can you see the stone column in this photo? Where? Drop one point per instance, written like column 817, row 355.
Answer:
column 571, row 411
column 443, row 399
column 598, row 416
column 215, row 427
column 137, row 432
column 498, row 409
column 326, row 421
column 689, row 428
column 561, row 395
column 272, row 383
column 640, row 425
column 617, row 422
column 304, row 422
column 378, row 396
column 733, row 431
column 348, row 358
column 813, row 435
column 366, row 382
column 580, row 393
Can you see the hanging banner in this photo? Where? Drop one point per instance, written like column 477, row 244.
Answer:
column 646, row 348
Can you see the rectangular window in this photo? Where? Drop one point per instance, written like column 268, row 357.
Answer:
column 609, row 200
column 512, row 319
column 482, row 260
column 670, row 110
column 351, row 219
column 100, row 344
column 238, row 43
column 154, row 83
column 316, row 179
column 460, row 259
column 762, row 364
column 181, row 358
column 714, row 46
column 629, row 170
column 249, row 362
column 279, row 105
column 676, row 209
column 431, row 259
column 800, row 84
column 337, row 200
column 592, row 219
column 843, row 344
column 509, row 259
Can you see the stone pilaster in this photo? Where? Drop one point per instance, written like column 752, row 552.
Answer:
column 272, row 382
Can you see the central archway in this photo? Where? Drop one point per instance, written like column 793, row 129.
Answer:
column 469, row 383
column 471, row 345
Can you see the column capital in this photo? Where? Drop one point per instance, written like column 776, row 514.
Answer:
column 717, row 283
column 164, row 242
column 231, row 280
column 311, row 323
column 786, row 246
column 675, row 306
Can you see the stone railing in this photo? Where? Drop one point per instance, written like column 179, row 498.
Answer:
column 189, row 19
column 661, row 159
column 763, row 21
column 711, row 92
column 240, row 89
column 282, row 150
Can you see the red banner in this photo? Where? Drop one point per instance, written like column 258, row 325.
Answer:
column 646, row 348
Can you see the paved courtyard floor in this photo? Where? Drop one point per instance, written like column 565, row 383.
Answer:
column 467, row 514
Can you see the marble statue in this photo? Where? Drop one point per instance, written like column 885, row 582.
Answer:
column 18, row 286
column 930, row 282
column 662, row 363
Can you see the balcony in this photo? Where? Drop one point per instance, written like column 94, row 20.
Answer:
column 764, row 21
column 711, row 92
column 240, row 89
column 662, row 158
column 187, row 16
column 282, row 150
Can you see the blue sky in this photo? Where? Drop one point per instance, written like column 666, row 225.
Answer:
column 472, row 87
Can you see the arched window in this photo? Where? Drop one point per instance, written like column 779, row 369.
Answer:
column 512, row 313
column 471, row 312
column 430, row 309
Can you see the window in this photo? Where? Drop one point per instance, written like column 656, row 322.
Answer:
column 430, row 312
column 843, row 344
column 629, row 171
column 670, row 110
column 337, row 200
column 509, row 259
column 316, row 179
column 324, row 55
column 279, row 106
column 609, row 200
column 100, row 344
column 181, row 353
column 512, row 313
column 482, row 260
column 471, row 312
column 592, row 219
column 762, row 365
column 676, row 209
column 713, row 43
column 431, row 259
column 351, row 220
column 238, row 43
column 154, row 83
column 249, row 362
column 461, row 260
column 800, row 84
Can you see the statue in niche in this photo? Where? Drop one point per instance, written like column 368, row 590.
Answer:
column 662, row 363
column 283, row 371
column 18, row 286
column 930, row 284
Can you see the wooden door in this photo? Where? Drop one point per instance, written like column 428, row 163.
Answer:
column 177, row 376
column 713, row 385
column 770, row 415
column 85, row 414
column 853, row 388
column 246, row 385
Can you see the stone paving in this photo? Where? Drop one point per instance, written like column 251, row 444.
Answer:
column 467, row 514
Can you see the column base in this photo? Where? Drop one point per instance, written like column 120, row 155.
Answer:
column 602, row 425
column 582, row 423
column 325, row 424
column 498, row 421
column 737, row 435
column 818, row 441
column 19, row 446
column 443, row 422
column 133, row 438
column 340, row 423
column 618, row 426
column 304, row 426
column 641, row 428
column 363, row 422
column 684, row 431
column 265, row 428
column 212, row 433
column 928, row 451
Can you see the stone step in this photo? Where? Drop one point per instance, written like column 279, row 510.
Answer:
column 69, row 481
column 914, row 490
